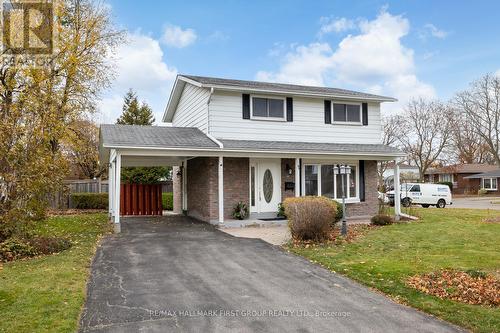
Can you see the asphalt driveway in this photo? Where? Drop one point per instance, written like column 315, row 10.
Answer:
column 178, row 275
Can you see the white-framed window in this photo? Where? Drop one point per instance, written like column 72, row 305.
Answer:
column 489, row 184
column 446, row 177
column 319, row 179
column 267, row 108
column 346, row 113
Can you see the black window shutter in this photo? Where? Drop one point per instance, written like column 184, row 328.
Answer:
column 365, row 114
column 246, row 106
column 362, row 181
column 289, row 109
column 328, row 112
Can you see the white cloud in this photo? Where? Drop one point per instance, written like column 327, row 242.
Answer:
column 329, row 24
column 139, row 65
column 431, row 29
column 375, row 60
column 175, row 36
column 497, row 73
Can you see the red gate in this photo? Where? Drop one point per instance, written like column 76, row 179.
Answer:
column 140, row 199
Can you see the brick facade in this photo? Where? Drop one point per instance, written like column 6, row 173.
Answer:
column 202, row 187
column 236, row 183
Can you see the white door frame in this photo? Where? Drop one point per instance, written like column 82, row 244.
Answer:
column 256, row 164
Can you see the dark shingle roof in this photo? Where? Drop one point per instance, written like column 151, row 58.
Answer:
column 463, row 168
column 489, row 174
column 283, row 87
column 334, row 148
column 154, row 136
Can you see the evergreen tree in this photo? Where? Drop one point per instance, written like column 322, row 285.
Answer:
column 135, row 113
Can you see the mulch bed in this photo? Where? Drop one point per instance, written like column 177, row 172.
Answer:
column 471, row 287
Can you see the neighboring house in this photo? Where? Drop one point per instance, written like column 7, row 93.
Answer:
column 257, row 143
column 487, row 181
column 408, row 173
column 458, row 174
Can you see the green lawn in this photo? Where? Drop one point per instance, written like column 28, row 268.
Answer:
column 46, row 294
column 443, row 238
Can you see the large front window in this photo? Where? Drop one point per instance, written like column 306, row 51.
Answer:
column 489, row 184
column 320, row 179
column 446, row 177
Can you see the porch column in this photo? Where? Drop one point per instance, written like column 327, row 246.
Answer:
column 111, row 174
column 297, row 177
column 397, row 195
column 221, row 189
column 117, row 181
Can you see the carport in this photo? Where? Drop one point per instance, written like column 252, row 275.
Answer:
column 148, row 146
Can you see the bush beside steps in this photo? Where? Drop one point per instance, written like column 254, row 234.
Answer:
column 310, row 217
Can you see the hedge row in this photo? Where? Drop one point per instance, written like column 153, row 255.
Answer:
column 89, row 200
column 168, row 201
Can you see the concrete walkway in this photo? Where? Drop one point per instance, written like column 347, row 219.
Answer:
column 174, row 274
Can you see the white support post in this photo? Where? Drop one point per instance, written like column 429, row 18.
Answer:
column 297, row 177
column 221, row 190
column 118, row 163
column 397, row 190
column 111, row 175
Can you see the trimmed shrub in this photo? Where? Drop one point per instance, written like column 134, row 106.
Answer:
column 381, row 219
column 89, row 200
column 482, row 192
column 49, row 245
column 240, row 211
column 310, row 218
column 450, row 184
column 281, row 210
column 167, row 200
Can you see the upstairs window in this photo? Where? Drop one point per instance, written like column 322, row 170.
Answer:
column 268, row 108
column 346, row 113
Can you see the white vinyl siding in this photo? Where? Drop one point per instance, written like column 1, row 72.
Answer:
column 226, row 122
column 192, row 108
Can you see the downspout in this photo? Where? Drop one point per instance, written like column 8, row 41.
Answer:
column 212, row 90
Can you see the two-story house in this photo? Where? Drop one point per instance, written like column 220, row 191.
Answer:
column 258, row 143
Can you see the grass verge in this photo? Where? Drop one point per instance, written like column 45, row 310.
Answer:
column 46, row 294
column 385, row 257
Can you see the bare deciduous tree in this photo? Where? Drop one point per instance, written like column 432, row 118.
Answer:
column 426, row 132
column 391, row 130
column 481, row 106
column 467, row 146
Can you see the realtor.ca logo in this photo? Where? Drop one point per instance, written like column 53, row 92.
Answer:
column 27, row 28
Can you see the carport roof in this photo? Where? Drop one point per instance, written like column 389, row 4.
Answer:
column 118, row 136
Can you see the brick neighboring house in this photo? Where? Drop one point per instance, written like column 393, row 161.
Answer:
column 487, row 181
column 458, row 174
column 258, row 143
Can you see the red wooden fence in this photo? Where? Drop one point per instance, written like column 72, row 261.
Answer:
column 139, row 199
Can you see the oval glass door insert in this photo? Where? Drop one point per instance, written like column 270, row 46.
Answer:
column 267, row 185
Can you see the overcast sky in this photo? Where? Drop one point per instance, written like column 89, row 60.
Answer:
column 396, row 48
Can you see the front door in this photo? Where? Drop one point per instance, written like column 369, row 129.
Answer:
column 265, row 185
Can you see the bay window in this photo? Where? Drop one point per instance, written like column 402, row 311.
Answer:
column 320, row 180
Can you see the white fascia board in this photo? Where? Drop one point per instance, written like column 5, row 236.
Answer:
column 160, row 151
column 296, row 93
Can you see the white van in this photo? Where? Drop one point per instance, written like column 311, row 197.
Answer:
column 423, row 194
